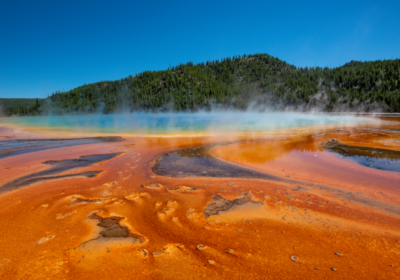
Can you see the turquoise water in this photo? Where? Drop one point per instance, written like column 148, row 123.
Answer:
column 183, row 122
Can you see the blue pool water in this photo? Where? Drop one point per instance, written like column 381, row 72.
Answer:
column 183, row 122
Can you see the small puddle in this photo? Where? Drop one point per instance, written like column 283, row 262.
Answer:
column 80, row 200
column 110, row 229
column 218, row 204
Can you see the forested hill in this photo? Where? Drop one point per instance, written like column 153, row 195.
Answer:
column 259, row 81
column 14, row 104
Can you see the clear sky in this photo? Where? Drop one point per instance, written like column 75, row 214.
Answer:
column 59, row 45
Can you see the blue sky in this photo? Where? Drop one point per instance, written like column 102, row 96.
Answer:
column 53, row 45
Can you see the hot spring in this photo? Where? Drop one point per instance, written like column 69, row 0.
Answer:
column 146, row 123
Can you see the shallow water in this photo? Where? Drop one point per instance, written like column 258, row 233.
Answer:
column 18, row 147
column 382, row 159
column 57, row 168
column 183, row 122
column 198, row 162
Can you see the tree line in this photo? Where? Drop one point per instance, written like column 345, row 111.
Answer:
column 236, row 82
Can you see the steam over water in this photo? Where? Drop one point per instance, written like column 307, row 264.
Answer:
column 183, row 122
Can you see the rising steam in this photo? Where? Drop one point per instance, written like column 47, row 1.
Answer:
column 161, row 123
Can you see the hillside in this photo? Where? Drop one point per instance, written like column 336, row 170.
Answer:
column 9, row 105
column 258, row 80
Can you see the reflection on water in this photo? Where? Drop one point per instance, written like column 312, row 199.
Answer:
column 184, row 122
column 198, row 162
column 382, row 159
column 360, row 145
column 260, row 152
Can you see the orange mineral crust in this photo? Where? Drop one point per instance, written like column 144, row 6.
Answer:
column 104, row 211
